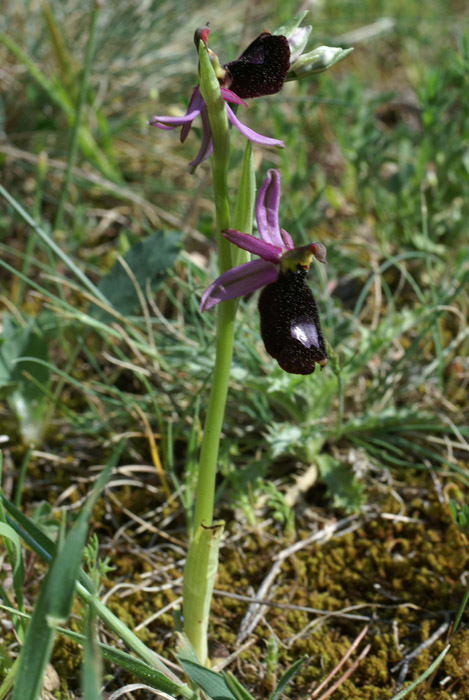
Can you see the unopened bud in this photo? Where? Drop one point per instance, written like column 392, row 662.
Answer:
column 201, row 34
column 317, row 61
column 297, row 36
column 298, row 41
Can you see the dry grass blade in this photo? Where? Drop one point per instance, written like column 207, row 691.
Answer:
column 337, row 668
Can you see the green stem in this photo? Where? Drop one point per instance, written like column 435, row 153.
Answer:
column 215, row 413
column 73, row 149
column 205, row 495
column 202, row 557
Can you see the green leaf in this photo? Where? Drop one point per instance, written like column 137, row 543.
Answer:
column 341, row 483
column 36, row 650
column 148, row 262
column 283, row 438
column 17, row 563
column 289, row 27
column 213, row 684
column 67, row 563
column 238, row 690
column 138, row 668
column 199, row 579
column 216, row 685
column 24, row 394
column 244, row 205
column 287, row 677
column 434, row 665
column 54, row 602
column 91, row 674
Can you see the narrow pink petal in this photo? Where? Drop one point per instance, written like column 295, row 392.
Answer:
column 171, row 122
column 239, row 281
column 249, row 133
column 207, row 144
column 267, row 205
column 266, row 251
column 196, row 103
column 229, row 96
column 287, row 239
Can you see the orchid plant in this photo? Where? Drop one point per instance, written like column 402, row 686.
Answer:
column 290, row 324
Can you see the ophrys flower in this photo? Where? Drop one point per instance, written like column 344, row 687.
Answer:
column 290, row 326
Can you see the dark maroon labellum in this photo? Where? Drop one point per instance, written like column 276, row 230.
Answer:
column 290, row 325
column 261, row 69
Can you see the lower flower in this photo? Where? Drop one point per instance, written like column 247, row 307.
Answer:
column 290, row 325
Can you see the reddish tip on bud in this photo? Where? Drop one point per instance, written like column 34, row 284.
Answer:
column 201, row 34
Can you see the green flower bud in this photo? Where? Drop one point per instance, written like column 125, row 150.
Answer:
column 317, row 61
column 297, row 36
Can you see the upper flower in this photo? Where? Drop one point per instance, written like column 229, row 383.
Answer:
column 275, row 248
column 197, row 106
column 260, row 70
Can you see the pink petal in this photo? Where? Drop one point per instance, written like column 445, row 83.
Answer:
column 207, row 144
column 267, row 205
column 249, row 133
column 171, row 122
column 196, row 103
column 287, row 239
column 229, row 96
column 266, row 251
column 239, row 281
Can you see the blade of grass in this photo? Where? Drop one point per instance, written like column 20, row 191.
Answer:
column 91, row 673
column 44, row 547
column 53, row 246
column 423, row 675
column 55, row 601
column 59, row 96
column 73, row 148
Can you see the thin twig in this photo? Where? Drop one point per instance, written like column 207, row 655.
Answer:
column 347, row 673
column 341, row 662
column 405, row 662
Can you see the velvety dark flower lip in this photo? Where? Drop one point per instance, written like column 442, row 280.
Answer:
column 290, row 324
column 261, row 69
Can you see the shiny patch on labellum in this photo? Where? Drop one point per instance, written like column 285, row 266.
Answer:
column 290, row 325
column 261, row 69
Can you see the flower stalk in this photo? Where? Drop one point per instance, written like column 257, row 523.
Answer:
column 210, row 89
column 195, row 607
